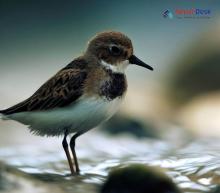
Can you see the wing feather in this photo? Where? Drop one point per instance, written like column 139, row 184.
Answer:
column 62, row 89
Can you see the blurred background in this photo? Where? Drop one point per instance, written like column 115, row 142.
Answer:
column 40, row 37
column 178, row 101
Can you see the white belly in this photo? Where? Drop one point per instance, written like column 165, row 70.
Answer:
column 84, row 115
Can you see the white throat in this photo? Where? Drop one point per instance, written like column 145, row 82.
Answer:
column 120, row 67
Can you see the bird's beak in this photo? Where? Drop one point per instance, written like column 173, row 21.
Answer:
column 134, row 60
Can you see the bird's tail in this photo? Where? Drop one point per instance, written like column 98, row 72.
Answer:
column 1, row 115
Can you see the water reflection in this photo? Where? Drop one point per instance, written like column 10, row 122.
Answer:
column 195, row 167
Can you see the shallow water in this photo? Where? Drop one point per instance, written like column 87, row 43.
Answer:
column 194, row 166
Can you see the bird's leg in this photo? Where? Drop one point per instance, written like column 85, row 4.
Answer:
column 72, row 146
column 66, row 149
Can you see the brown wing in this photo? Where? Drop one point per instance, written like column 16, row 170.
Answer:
column 62, row 89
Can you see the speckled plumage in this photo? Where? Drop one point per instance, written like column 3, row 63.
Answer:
column 86, row 92
column 54, row 106
column 69, row 99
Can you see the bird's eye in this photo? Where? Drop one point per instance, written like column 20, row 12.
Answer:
column 114, row 50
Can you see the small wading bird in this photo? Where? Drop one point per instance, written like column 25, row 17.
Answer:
column 80, row 96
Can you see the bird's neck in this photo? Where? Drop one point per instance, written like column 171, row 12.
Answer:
column 115, row 68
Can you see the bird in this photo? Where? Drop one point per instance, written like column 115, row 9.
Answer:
column 80, row 96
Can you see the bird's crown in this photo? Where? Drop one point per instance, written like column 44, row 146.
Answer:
column 114, row 50
column 111, row 47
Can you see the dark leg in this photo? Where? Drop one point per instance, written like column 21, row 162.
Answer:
column 66, row 149
column 72, row 146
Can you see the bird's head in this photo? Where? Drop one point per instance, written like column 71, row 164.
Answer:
column 114, row 50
